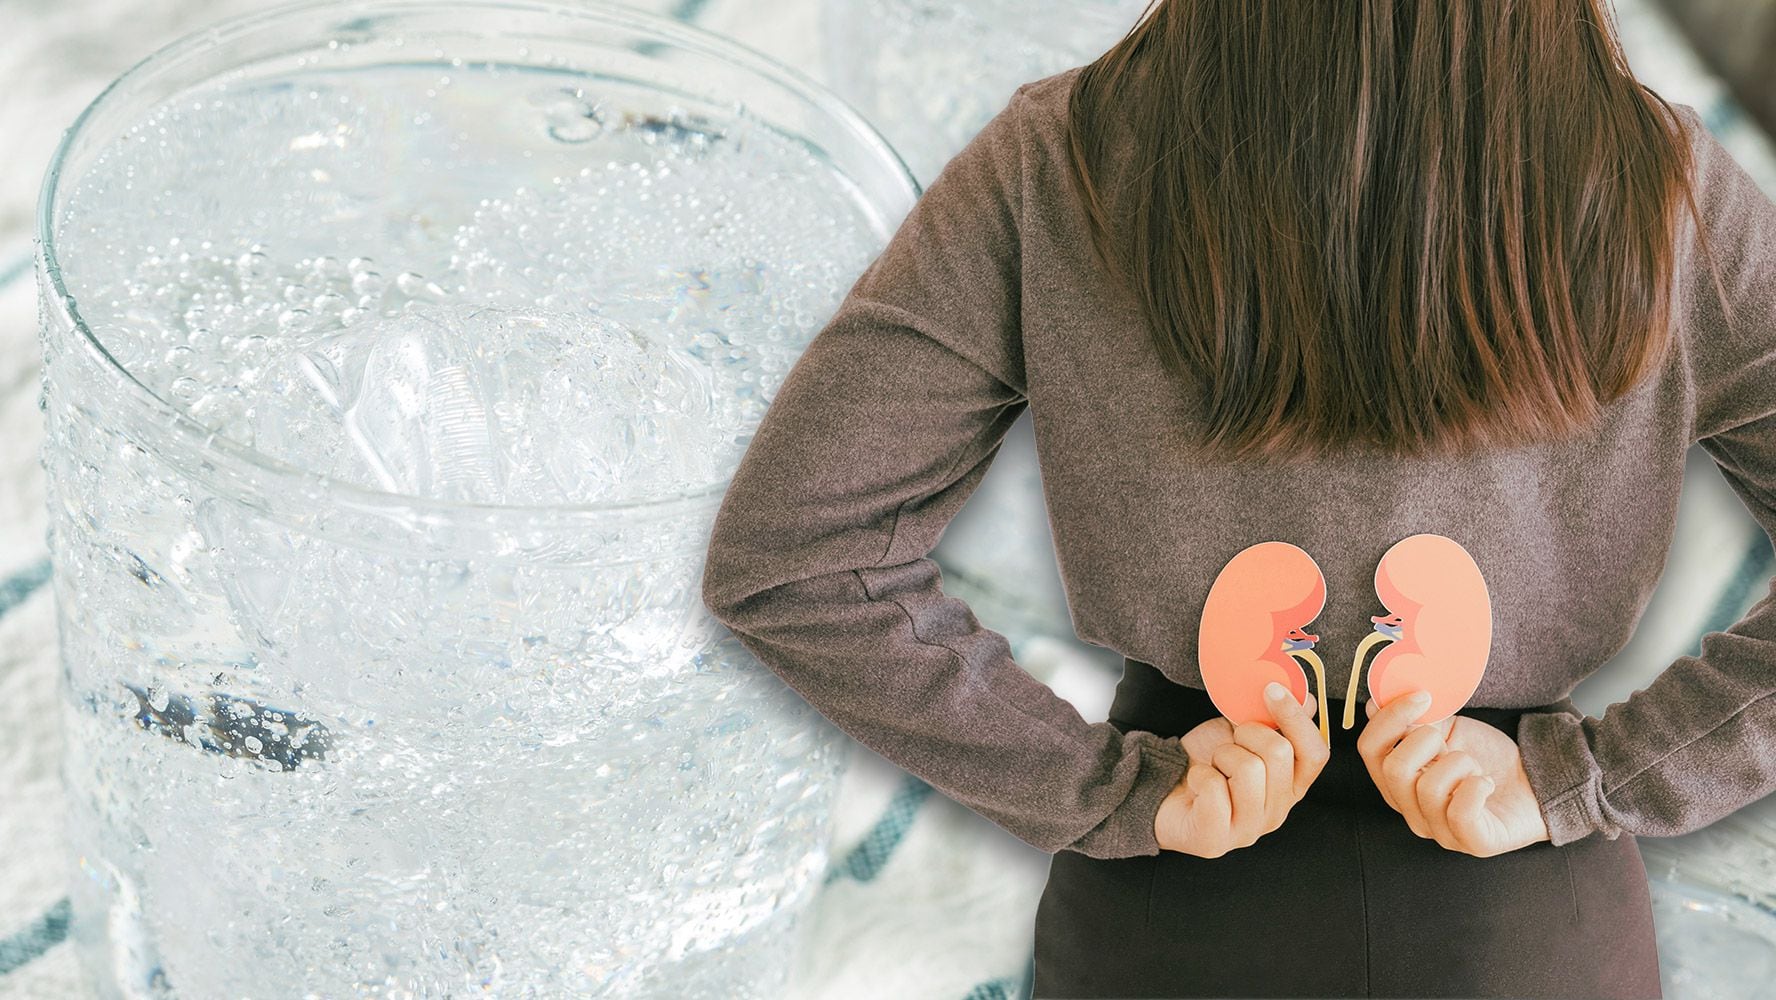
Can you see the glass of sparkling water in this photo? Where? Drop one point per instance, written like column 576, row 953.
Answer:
column 396, row 356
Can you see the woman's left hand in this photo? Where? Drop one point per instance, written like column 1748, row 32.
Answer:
column 1459, row 782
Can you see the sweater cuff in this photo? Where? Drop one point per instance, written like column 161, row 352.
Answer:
column 1128, row 830
column 1564, row 774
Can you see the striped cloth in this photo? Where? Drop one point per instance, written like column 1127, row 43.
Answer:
column 923, row 898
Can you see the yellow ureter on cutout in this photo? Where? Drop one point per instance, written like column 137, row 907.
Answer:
column 1312, row 659
column 1350, row 696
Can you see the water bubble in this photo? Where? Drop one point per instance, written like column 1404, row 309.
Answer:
column 366, row 282
column 572, row 119
column 252, row 349
column 295, row 321
column 416, row 286
column 253, row 264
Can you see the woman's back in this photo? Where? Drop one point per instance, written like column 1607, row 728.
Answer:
column 993, row 268
column 1572, row 535
column 990, row 299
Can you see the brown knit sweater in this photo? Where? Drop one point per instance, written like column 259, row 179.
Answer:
column 988, row 300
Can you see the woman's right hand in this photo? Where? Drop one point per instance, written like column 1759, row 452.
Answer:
column 1242, row 780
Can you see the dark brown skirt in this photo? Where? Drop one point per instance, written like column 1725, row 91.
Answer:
column 1342, row 900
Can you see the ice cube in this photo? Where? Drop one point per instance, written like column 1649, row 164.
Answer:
column 420, row 418
column 480, row 403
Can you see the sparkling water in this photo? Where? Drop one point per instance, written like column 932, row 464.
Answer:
column 311, row 759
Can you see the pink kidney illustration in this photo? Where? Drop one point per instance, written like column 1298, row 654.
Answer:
column 1438, row 632
column 1251, row 631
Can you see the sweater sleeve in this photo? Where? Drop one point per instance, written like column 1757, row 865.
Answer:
column 1699, row 742
column 817, row 560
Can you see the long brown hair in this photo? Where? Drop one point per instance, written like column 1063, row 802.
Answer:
column 1410, row 224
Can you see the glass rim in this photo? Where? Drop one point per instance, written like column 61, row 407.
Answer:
column 212, row 445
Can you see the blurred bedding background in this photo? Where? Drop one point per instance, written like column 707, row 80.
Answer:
column 924, row 899
column 1736, row 38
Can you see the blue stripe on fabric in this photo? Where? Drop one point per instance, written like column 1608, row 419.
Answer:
column 687, row 11
column 51, row 927
column 1003, row 988
column 1722, row 114
column 1753, row 573
column 864, row 862
column 14, row 270
column 21, row 585
column 44, row 933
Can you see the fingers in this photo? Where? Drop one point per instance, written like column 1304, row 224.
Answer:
column 1402, row 768
column 1277, row 756
column 1370, row 708
column 1211, row 811
column 1254, row 774
column 1379, row 735
column 1288, row 758
column 1295, row 723
column 1246, row 788
column 1393, row 756
column 1442, row 793
column 1468, row 818
column 1435, row 789
column 1201, row 741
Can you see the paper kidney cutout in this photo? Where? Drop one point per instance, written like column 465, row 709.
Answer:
column 1251, row 630
column 1438, row 632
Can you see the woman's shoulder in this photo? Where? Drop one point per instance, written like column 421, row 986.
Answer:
column 1717, row 172
column 1043, row 110
column 1044, row 101
column 1736, row 210
column 1051, row 88
column 1729, row 336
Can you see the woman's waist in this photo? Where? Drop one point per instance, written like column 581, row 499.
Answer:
column 1148, row 700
